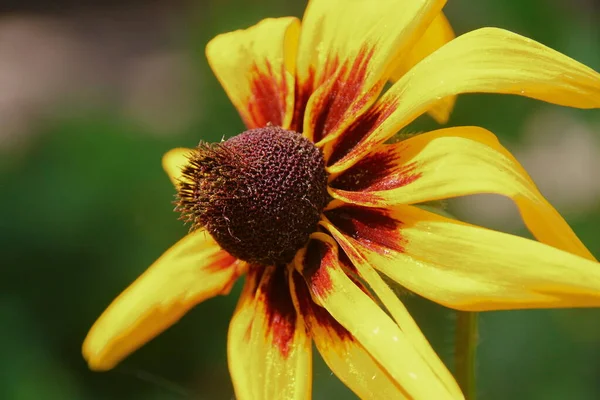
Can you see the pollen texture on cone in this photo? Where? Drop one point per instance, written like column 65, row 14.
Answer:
column 259, row 194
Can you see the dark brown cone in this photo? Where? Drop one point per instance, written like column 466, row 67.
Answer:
column 259, row 194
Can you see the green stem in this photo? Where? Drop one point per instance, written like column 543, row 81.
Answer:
column 465, row 352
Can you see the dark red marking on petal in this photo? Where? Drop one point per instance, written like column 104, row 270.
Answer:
column 360, row 129
column 221, row 260
column 281, row 314
column 305, row 88
column 377, row 171
column 268, row 94
column 302, row 93
column 318, row 260
column 346, row 263
column 253, row 277
column 237, row 267
column 315, row 314
column 371, row 227
column 403, row 176
column 255, row 273
column 343, row 92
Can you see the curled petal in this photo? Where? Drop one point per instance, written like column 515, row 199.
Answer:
column 437, row 34
column 256, row 68
column 269, row 351
column 342, row 78
column 340, row 350
column 489, row 60
column 448, row 163
column 371, row 327
column 173, row 163
column 397, row 310
column 464, row 266
column 191, row 271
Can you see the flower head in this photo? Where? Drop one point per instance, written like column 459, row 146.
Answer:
column 312, row 202
column 259, row 194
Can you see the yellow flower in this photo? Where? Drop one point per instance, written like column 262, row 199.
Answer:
column 312, row 219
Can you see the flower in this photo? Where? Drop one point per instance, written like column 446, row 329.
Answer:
column 312, row 202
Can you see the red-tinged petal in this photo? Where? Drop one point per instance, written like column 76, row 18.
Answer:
column 464, row 266
column 342, row 78
column 269, row 351
column 396, row 309
column 487, row 60
column 448, row 163
column 173, row 163
column 190, row 272
column 351, row 363
column 438, row 34
column 386, row 342
column 256, row 68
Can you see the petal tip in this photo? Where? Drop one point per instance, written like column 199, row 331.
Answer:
column 94, row 355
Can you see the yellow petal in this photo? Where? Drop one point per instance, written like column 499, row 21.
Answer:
column 487, row 60
column 256, row 68
column 347, row 52
column 191, row 271
column 270, row 354
column 464, row 266
column 438, row 34
column 173, row 163
column 238, row 338
column 351, row 363
column 448, row 163
column 396, row 309
column 372, row 328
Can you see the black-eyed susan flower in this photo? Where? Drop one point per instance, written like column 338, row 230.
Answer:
column 312, row 203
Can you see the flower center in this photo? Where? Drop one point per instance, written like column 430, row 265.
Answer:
column 259, row 194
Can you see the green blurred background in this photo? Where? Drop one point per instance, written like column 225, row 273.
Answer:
column 92, row 93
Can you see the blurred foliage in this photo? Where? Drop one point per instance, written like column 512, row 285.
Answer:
column 86, row 207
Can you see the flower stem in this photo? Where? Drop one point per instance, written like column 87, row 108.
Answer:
column 465, row 352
